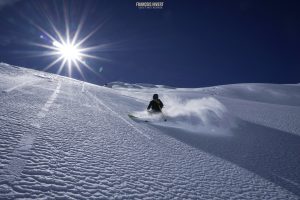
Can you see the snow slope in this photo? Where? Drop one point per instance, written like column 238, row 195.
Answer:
column 65, row 139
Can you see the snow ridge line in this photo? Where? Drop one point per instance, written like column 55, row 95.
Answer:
column 18, row 86
column 118, row 115
column 17, row 163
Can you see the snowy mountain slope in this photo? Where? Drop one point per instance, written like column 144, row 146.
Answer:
column 118, row 84
column 64, row 139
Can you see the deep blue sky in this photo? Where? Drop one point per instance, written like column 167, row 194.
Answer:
column 187, row 43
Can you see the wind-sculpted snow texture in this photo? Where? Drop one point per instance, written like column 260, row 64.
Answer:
column 65, row 139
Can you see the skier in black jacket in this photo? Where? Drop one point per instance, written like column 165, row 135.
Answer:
column 155, row 105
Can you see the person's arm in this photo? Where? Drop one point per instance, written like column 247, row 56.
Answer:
column 150, row 105
column 161, row 104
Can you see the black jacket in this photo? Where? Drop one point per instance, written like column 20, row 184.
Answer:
column 156, row 105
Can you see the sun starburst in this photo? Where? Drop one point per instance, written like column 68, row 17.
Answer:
column 68, row 51
column 66, row 47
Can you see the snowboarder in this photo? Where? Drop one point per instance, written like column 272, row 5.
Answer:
column 155, row 105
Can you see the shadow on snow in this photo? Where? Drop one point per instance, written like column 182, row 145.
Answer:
column 267, row 152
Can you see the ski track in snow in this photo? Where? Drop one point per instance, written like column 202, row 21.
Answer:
column 42, row 113
column 66, row 139
column 119, row 116
column 82, row 88
column 17, row 163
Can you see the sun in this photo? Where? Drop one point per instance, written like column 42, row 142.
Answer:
column 68, row 47
column 68, row 51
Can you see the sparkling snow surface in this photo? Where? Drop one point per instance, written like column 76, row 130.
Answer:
column 64, row 139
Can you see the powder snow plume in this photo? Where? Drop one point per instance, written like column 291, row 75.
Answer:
column 202, row 115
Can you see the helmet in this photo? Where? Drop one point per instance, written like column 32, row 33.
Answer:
column 155, row 96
